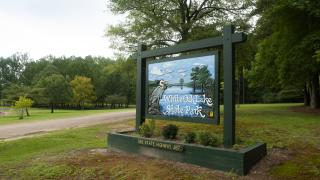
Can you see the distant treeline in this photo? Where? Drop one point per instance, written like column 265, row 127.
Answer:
column 68, row 82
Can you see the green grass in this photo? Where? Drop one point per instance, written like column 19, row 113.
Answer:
column 66, row 154
column 278, row 125
column 44, row 114
column 27, row 158
column 61, row 141
column 275, row 124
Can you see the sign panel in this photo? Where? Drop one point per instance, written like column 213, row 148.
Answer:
column 183, row 88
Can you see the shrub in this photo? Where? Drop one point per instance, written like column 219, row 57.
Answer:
column 170, row 131
column 239, row 140
column 147, row 129
column 190, row 137
column 208, row 139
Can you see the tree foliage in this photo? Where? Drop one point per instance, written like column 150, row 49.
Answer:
column 22, row 105
column 11, row 69
column 55, row 90
column 289, row 37
column 163, row 23
column 47, row 80
column 83, row 90
column 280, row 58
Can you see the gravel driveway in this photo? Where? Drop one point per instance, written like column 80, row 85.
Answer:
column 23, row 129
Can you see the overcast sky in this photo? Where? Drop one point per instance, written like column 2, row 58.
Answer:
column 57, row 27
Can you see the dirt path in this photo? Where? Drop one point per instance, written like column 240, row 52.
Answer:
column 30, row 128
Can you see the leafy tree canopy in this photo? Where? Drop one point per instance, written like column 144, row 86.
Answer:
column 289, row 33
column 163, row 23
column 83, row 90
column 55, row 88
column 23, row 104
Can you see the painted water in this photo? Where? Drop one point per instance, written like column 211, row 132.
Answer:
column 182, row 102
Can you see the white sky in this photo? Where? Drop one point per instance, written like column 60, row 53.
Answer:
column 57, row 27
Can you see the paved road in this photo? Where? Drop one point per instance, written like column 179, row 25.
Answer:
column 23, row 129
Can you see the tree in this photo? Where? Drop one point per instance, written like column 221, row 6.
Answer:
column 45, row 72
column 163, row 23
column 200, row 76
column 83, row 90
column 128, row 70
column 195, row 77
column 56, row 90
column 100, row 79
column 33, row 79
column 14, row 91
column 116, row 99
column 11, row 69
column 204, row 76
column 22, row 105
column 181, row 81
column 32, row 70
column 289, row 38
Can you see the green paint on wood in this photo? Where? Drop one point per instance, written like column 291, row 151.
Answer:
column 238, row 161
column 140, row 89
column 229, row 39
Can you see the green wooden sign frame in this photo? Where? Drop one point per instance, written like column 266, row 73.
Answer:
column 227, row 43
column 216, row 119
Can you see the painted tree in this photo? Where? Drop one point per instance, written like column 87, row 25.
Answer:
column 22, row 105
column 204, row 76
column 200, row 76
column 195, row 77
column 83, row 90
column 181, row 81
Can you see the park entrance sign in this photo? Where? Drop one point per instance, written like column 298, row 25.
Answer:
column 186, row 88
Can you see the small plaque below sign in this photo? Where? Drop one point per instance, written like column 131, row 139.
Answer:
column 161, row 145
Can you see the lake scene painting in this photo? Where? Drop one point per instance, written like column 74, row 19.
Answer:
column 182, row 88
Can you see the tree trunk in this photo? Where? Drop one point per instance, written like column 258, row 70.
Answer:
column 82, row 106
column 27, row 112
column 314, row 95
column 52, row 108
column 21, row 114
column 194, row 86
column 306, row 95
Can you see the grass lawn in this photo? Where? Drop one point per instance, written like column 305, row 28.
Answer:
column 291, row 132
column 44, row 114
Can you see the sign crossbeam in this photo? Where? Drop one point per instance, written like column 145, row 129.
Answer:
column 195, row 45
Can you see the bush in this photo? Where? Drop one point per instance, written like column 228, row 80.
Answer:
column 147, row 129
column 170, row 131
column 208, row 139
column 190, row 137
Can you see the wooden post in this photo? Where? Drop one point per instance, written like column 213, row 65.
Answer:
column 229, row 40
column 140, row 87
column 229, row 83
